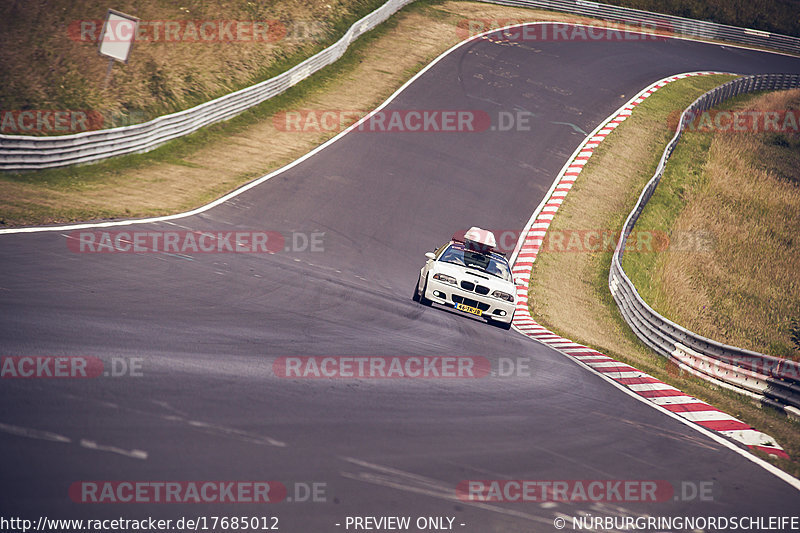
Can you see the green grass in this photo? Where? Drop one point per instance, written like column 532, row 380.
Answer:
column 683, row 175
column 580, row 306
column 736, row 194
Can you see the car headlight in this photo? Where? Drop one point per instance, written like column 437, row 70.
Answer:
column 503, row 296
column 444, row 277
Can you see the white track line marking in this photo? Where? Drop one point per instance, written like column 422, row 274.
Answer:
column 134, row 454
column 674, row 400
column 651, row 386
column 54, row 437
column 33, row 433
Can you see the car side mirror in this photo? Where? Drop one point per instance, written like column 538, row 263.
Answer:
column 519, row 281
column 430, row 255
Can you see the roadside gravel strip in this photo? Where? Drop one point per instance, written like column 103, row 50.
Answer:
column 642, row 384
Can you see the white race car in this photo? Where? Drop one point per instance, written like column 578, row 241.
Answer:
column 469, row 275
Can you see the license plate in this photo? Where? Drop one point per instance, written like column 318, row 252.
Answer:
column 468, row 309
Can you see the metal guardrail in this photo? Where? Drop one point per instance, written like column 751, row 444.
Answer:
column 775, row 381
column 18, row 152
column 670, row 23
column 31, row 153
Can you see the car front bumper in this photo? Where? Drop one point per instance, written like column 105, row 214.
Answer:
column 449, row 295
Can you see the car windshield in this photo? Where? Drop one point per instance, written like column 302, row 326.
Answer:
column 490, row 263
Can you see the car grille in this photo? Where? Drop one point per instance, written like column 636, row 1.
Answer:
column 469, row 286
column 470, row 302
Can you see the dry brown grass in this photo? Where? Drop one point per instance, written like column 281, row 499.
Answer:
column 44, row 67
column 569, row 291
column 230, row 161
column 173, row 184
column 746, row 290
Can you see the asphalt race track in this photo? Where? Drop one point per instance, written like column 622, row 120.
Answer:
column 207, row 328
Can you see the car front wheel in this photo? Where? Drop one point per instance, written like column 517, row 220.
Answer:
column 422, row 299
